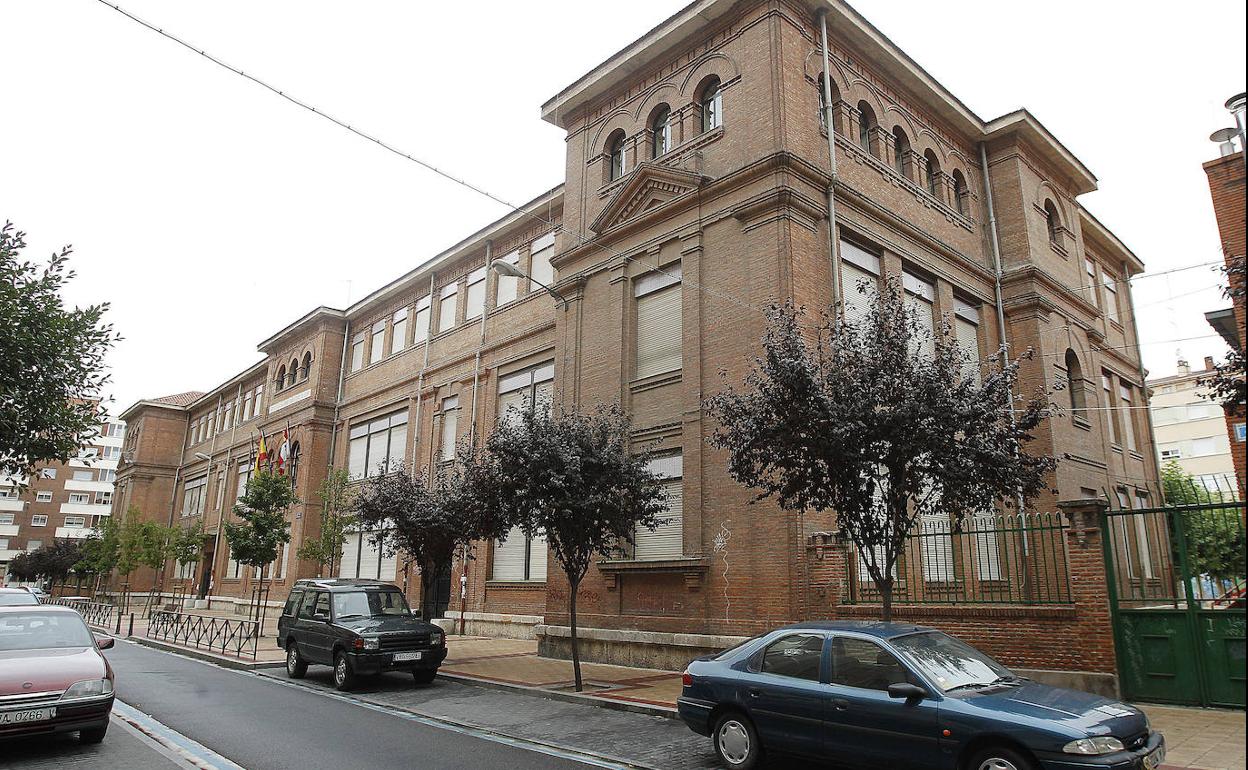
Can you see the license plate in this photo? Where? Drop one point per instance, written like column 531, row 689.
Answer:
column 1154, row 759
column 32, row 715
column 400, row 657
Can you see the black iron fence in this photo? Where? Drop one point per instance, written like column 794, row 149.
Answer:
column 228, row 636
column 96, row 614
column 1011, row 559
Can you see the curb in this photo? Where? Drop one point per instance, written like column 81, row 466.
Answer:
column 666, row 712
column 207, row 657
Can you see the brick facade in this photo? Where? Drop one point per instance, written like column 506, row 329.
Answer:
column 739, row 207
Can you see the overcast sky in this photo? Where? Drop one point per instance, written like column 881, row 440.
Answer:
column 211, row 213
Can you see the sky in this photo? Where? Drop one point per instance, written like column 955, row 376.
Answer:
column 211, row 213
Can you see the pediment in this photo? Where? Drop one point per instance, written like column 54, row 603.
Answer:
column 649, row 187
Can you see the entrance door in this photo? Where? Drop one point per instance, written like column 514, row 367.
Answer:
column 1176, row 585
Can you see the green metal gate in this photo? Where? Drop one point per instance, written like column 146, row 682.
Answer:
column 1177, row 596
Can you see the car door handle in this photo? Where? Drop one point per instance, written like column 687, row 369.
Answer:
column 840, row 704
column 755, row 693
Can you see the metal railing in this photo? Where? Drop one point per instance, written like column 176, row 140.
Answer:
column 96, row 614
column 229, row 636
column 1018, row 559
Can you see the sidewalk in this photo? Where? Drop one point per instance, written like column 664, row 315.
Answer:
column 1204, row 739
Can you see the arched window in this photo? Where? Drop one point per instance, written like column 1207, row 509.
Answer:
column 933, row 173
column 306, row 369
column 1051, row 220
column 712, row 105
column 1074, row 383
column 293, row 463
column 294, row 371
column 960, row 191
column 901, row 146
column 836, row 97
column 615, row 152
column 281, row 377
column 661, row 128
column 866, row 122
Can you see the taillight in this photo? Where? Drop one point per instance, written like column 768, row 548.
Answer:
column 358, row 644
column 686, row 679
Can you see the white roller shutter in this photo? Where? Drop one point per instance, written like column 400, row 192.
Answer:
column 537, row 558
column 966, row 328
column 857, row 304
column 370, row 558
column 667, row 541
column 987, row 550
column 509, row 557
column 919, row 297
column 936, row 546
column 659, row 322
column 350, row 565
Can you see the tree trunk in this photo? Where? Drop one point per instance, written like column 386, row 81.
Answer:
column 886, row 598
column 573, row 588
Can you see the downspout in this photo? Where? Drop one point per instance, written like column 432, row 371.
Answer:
column 342, row 376
column 827, row 121
column 420, row 380
column 1000, row 303
column 476, row 372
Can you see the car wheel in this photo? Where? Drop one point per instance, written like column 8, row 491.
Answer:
column 344, row 677
column 999, row 758
column 736, row 742
column 424, row 676
column 93, row 735
column 296, row 666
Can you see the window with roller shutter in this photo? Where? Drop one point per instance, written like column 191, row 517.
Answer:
column 858, row 267
column 361, row 558
column 667, row 541
column 519, row 558
column 920, row 294
column 966, row 329
column 659, row 316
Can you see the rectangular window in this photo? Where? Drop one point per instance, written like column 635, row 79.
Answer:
column 1128, row 415
column 378, row 446
column 34, row 545
column 1240, row 432
column 506, row 287
column 233, row 569
column 246, row 414
column 1111, row 298
column 860, row 271
column 244, row 475
column 362, row 558
column 227, row 415
column 378, row 343
column 4, row 544
column 47, row 473
column 1171, row 453
column 666, row 542
column 448, row 307
column 8, row 493
column 1203, row 447
column 658, row 322
column 1089, row 269
column 474, row 301
column 112, row 452
column 194, row 496
column 75, row 522
column 398, row 331
column 920, row 294
column 357, row 352
column 255, row 406
column 281, row 574
column 966, row 329
column 540, row 269
column 79, row 498
column 522, row 391
column 195, row 432
column 936, row 547
column 39, row 520
column 84, row 475
column 103, row 498
column 1111, row 420
column 520, row 558
column 450, row 427
column 421, row 332
column 6, row 518
column 43, row 497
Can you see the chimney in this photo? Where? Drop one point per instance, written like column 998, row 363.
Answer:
column 1184, row 368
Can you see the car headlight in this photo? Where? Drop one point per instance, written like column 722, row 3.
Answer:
column 1091, row 746
column 371, row 644
column 88, row 688
column 437, row 638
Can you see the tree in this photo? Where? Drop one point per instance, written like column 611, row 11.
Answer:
column 51, row 562
column 1212, row 528
column 130, row 536
column 570, row 477
column 428, row 522
column 879, row 420
column 337, row 503
column 187, row 544
column 154, row 547
column 1227, row 385
column 51, row 361
column 262, row 508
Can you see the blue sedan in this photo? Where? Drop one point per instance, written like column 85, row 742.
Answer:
column 896, row 696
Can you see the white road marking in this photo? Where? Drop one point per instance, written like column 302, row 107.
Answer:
column 181, row 746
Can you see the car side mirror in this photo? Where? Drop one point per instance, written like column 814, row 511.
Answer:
column 906, row 690
column 321, row 616
column 104, row 642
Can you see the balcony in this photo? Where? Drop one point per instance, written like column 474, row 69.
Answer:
column 11, row 504
column 93, row 463
column 75, row 485
column 8, row 530
column 7, row 554
column 73, row 533
column 85, row 509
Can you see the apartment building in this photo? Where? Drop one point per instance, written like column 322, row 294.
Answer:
column 1191, row 429
column 60, row 500
column 696, row 193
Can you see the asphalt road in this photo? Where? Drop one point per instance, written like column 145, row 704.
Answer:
column 262, row 724
column 124, row 747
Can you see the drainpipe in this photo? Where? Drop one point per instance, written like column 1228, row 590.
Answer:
column 476, row 372
column 342, row 376
column 420, row 378
column 827, row 119
column 1000, row 303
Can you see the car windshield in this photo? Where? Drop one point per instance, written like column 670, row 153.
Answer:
column 369, row 603
column 17, row 599
column 42, row 630
column 950, row 663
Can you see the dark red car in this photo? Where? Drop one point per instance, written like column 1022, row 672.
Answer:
column 53, row 678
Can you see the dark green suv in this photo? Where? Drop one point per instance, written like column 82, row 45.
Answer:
column 359, row 627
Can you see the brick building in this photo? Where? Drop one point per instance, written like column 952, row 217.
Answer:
column 696, row 193
column 1226, row 188
column 60, row 501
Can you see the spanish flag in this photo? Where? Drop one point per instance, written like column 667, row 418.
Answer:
column 262, row 454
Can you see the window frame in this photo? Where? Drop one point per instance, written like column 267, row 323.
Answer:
column 661, row 132
column 760, row 663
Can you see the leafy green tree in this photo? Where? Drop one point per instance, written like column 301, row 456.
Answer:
column 878, row 420
column 337, row 504
column 1214, row 531
column 130, row 538
column 1227, row 385
column 257, row 540
column 571, row 477
column 51, row 361
column 51, row 562
column 187, row 544
column 155, row 545
column 100, row 551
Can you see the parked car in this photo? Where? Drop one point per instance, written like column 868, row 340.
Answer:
column 901, row 696
column 13, row 597
column 53, row 678
column 37, row 592
column 359, row 627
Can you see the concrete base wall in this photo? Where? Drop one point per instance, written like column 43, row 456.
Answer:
column 497, row 625
column 639, row 649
